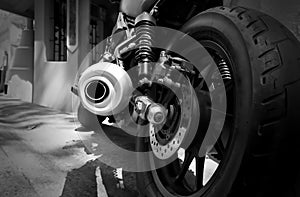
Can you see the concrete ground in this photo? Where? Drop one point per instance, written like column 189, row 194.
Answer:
column 46, row 153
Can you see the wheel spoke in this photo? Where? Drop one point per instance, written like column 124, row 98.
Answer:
column 153, row 92
column 199, row 172
column 219, row 146
column 189, row 156
column 167, row 99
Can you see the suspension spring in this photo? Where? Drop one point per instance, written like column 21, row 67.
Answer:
column 224, row 70
column 144, row 54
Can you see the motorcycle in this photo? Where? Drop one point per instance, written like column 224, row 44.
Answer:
column 251, row 67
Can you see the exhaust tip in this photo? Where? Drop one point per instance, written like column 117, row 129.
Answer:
column 96, row 91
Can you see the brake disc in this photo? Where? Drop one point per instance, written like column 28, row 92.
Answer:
column 186, row 129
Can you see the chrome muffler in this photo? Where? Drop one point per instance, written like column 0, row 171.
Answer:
column 104, row 88
column 96, row 91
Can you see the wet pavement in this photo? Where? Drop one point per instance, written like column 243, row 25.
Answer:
column 44, row 152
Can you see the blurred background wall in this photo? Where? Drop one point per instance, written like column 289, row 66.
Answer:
column 47, row 40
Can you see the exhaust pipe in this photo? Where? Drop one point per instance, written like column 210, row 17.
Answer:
column 96, row 91
column 104, row 88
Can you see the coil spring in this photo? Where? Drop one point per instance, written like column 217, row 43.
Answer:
column 144, row 35
column 224, row 70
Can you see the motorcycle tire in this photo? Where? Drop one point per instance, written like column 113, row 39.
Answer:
column 265, row 58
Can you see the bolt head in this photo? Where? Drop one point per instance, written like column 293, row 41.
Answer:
column 158, row 117
column 139, row 106
column 156, row 114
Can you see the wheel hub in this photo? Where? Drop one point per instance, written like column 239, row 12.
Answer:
column 149, row 110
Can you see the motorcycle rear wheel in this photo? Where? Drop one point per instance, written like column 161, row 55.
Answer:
column 264, row 61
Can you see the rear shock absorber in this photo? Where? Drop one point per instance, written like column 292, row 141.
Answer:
column 144, row 54
column 224, row 70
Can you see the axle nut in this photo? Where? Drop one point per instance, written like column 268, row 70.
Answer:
column 156, row 114
column 158, row 117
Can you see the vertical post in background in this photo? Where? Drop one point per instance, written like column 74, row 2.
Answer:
column 3, row 70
